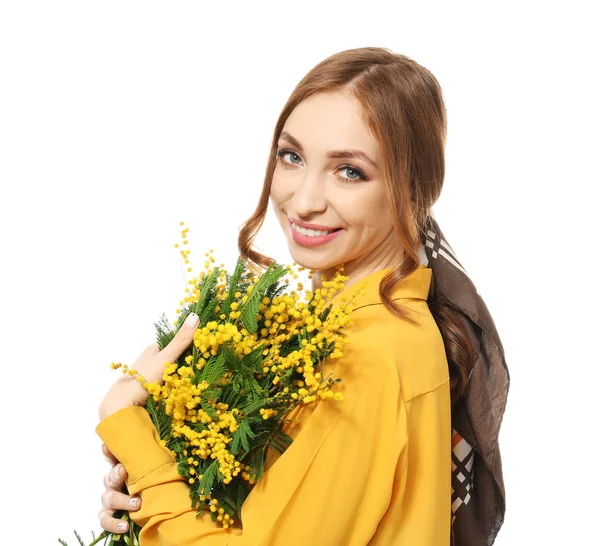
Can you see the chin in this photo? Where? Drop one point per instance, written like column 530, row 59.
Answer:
column 317, row 263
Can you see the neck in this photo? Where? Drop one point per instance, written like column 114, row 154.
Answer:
column 387, row 254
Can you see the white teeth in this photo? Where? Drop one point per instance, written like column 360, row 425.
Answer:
column 311, row 232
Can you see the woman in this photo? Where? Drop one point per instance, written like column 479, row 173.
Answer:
column 357, row 162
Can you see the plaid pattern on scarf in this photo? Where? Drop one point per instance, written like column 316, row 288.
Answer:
column 478, row 495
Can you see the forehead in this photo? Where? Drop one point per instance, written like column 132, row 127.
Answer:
column 332, row 121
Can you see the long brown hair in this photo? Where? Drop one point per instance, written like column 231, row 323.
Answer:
column 403, row 106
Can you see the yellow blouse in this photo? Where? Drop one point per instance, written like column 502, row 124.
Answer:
column 372, row 469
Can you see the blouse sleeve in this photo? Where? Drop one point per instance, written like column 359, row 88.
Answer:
column 332, row 486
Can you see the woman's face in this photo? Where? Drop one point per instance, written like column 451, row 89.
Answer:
column 327, row 189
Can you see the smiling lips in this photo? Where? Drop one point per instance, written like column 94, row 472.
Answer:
column 311, row 236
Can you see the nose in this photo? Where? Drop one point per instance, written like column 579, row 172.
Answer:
column 309, row 196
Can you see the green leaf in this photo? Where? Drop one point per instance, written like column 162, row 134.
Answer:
column 257, row 464
column 279, row 440
column 233, row 284
column 161, row 420
column 237, row 383
column 240, row 437
column 232, row 391
column 325, row 313
column 242, row 434
column 213, row 371
column 208, row 312
column 208, row 478
column 255, row 405
column 253, row 385
column 275, row 290
column 251, row 306
column 232, row 361
column 105, row 535
column 209, row 409
column 164, row 333
column 250, row 310
column 244, row 440
column 212, row 394
column 228, row 504
column 206, row 288
column 246, row 426
column 240, row 495
column 79, row 539
column 182, row 467
column 253, row 360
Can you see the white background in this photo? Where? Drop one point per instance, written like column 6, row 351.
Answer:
column 119, row 119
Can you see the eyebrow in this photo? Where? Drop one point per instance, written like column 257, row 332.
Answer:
column 334, row 154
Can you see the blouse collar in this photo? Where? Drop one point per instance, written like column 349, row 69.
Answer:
column 413, row 286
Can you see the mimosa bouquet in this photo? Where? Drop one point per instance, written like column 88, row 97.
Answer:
column 258, row 354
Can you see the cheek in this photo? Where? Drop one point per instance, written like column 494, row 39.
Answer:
column 280, row 190
column 365, row 209
column 376, row 214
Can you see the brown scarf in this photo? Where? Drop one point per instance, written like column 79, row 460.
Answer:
column 478, row 496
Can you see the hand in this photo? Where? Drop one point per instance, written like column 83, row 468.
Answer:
column 113, row 498
column 127, row 390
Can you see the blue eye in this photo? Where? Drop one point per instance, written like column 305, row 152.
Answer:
column 284, row 151
column 358, row 174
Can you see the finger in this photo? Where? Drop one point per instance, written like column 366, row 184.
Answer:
column 182, row 340
column 109, row 456
column 115, row 479
column 112, row 524
column 115, row 500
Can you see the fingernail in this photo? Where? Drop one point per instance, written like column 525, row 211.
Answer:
column 191, row 320
column 122, row 526
column 116, row 470
column 133, row 503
